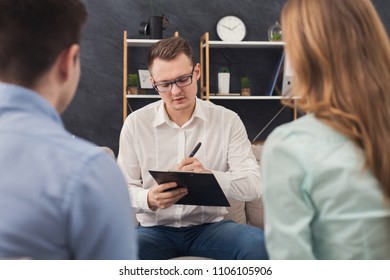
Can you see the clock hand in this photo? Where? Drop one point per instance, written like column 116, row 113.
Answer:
column 226, row 27
column 234, row 26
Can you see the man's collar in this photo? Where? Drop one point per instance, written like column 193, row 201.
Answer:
column 162, row 115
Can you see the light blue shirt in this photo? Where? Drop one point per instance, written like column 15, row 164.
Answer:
column 319, row 201
column 60, row 198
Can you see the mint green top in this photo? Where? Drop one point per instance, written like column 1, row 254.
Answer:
column 319, row 201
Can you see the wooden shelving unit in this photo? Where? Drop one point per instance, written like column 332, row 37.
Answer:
column 138, row 43
column 206, row 45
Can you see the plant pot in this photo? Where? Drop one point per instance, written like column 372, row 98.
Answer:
column 223, row 83
column 132, row 90
column 246, row 91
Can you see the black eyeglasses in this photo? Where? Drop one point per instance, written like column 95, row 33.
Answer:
column 181, row 82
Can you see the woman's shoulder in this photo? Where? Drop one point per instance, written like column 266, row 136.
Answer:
column 305, row 129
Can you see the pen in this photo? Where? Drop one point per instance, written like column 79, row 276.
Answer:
column 195, row 149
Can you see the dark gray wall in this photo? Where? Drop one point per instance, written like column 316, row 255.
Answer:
column 96, row 112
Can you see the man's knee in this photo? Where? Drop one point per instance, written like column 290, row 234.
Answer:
column 252, row 244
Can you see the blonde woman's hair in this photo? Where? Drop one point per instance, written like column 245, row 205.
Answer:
column 340, row 55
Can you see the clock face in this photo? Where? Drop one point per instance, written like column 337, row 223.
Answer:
column 231, row 29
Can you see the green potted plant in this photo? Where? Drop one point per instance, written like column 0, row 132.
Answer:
column 245, row 86
column 132, row 83
column 223, row 69
column 275, row 32
column 223, row 80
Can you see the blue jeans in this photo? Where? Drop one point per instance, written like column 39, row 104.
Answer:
column 224, row 240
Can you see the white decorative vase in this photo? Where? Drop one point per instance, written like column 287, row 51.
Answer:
column 223, row 83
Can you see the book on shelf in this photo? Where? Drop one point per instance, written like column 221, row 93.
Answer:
column 276, row 76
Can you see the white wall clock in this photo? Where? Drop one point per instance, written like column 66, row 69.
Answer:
column 231, row 29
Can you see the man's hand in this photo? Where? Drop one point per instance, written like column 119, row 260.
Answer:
column 164, row 195
column 191, row 164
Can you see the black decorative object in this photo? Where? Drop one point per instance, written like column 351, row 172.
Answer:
column 154, row 27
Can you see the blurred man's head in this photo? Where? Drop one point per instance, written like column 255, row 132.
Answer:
column 37, row 36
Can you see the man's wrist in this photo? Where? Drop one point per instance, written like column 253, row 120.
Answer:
column 153, row 208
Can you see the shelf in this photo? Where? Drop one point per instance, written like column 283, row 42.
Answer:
column 244, row 44
column 253, row 97
column 141, row 42
column 142, row 96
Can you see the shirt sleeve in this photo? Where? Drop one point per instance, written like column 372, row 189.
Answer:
column 101, row 220
column 242, row 181
column 288, row 209
column 128, row 163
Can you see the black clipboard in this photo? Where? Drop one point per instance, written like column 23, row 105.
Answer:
column 203, row 188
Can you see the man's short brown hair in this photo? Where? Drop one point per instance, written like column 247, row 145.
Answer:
column 168, row 49
column 33, row 33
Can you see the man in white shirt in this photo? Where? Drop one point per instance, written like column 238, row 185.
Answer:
column 161, row 136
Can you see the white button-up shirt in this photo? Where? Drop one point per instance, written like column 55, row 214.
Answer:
column 150, row 140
